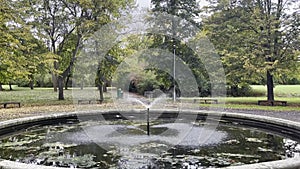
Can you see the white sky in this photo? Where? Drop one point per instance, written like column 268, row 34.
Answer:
column 143, row 3
column 146, row 3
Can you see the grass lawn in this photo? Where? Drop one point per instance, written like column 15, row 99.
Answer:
column 38, row 96
column 254, row 106
column 44, row 96
column 280, row 90
column 253, row 100
column 289, row 93
column 47, row 97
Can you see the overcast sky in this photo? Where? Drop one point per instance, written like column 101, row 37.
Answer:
column 146, row 3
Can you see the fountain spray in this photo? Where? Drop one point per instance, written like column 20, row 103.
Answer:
column 147, row 106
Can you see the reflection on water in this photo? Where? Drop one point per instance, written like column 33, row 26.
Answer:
column 125, row 144
column 129, row 135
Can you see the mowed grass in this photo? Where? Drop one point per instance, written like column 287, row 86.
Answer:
column 38, row 96
column 254, row 106
column 46, row 96
column 287, row 91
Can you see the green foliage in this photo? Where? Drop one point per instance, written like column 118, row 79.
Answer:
column 19, row 49
column 147, row 82
column 243, row 90
column 134, row 69
column 7, row 42
column 65, row 25
column 254, row 37
column 187, row 11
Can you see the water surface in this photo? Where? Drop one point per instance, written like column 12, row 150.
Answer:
column 125, row 144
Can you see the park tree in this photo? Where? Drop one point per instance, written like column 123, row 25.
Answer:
column 107, row 67
column 256, row 39
column 6, row 42
column 17, row 47
column 230, row 45
column 63, row 25
column 35, row 54
column 107, row 62
column 133, row 74
column 189, row 11
column 4, row 10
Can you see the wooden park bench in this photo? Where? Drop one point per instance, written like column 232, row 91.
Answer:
column 206, row 100
column 272, row 102
column 5, row 104
column 88, row 101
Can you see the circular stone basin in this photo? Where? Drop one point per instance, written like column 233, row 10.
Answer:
column 65, row 140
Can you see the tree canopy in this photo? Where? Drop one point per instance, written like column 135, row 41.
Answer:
column 256, row 38
column 187, row 14
column 64, row 24
column 20, row 51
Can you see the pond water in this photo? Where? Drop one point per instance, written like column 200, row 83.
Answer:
column 125, row 144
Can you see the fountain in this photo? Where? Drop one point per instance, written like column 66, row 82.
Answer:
column 173, row 136
column 147, row 105
column 128, row 143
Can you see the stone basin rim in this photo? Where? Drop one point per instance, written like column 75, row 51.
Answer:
column 290, row 163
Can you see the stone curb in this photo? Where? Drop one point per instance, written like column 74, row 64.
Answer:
column 5, row 164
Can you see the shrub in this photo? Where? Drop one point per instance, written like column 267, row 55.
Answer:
column 244, row 90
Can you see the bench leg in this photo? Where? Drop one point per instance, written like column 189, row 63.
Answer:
column 5, row 106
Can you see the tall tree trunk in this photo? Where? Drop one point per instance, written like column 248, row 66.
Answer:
column 60, row 88
column 10, row 87
column 31, row 82
column 81, row 85
column 67, row 81
column 100, row 88
column 1, row 88
column 105, row 87
column 54, row 81
column 270, row 86
column 234, row 90
column 270, row 60
column 66, row 72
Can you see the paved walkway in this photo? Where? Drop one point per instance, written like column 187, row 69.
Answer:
column 293, row 116
column 6, row 114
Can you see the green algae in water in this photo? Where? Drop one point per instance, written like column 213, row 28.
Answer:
column 126, row 144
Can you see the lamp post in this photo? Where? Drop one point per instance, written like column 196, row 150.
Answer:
column 173, row 2
column 148, row 123
column 174, row 68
